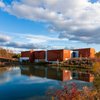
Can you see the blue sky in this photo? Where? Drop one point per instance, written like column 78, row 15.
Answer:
column 49, row 24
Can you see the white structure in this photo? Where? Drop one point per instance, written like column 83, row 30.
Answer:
column 23, row 59
column 71, row 54
column 46, row 55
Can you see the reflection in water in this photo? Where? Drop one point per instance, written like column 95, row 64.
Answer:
column 31, row 83
column 45, row 72
column 6, row 73
column 56, row 73
column 4, row 69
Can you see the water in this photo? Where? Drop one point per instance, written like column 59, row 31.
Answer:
column 30, row 83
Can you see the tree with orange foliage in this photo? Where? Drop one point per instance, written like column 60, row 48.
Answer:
column 96, row 70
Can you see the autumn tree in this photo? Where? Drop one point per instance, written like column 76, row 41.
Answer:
column 97, row 54
column 96, row 70
column 6, row 53
column 17, row 56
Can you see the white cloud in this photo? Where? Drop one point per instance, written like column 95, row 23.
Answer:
column 42, row 39
column 77, row 20
column 9, row 74
column 1, row 4
column 34, row 80
column 4, row 38
column 28, row 41
column 25, row 45
column 8, row 41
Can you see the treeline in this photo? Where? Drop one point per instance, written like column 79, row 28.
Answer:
column 97, row 54
column 6, row 53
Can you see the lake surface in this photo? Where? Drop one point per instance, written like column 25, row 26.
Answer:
column 31, row 83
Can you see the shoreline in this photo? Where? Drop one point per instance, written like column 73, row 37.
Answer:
column 70, row 67
column 5, row 64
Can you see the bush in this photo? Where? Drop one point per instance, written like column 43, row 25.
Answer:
column 75, row 94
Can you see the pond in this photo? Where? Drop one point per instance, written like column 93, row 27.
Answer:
column 32, row 83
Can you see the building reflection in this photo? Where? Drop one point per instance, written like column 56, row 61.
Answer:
column 56, row 73
column 45, row 72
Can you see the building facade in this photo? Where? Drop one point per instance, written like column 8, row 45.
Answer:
column 40, row 56
column 56, row 55
column 27, row 56
column 84, row 52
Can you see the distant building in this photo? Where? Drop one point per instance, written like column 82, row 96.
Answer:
column 56, row 56
column 84, row 52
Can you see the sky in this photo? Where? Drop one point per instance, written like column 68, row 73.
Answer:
column 49, row 24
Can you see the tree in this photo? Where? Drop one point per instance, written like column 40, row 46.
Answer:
column 97, row 54
column 96, row 70
column 16, row 56
column 6, row 53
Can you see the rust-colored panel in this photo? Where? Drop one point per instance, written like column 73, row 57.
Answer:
column 61, row 55
column 26, row 53
column 54, row 55
column 86, row 52
column 29, row 54
column 39, row 54
column 32, row 57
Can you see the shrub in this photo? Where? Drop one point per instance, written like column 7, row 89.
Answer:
column 75, row 94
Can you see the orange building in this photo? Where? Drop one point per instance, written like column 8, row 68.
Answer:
column 86, row 52
column 58, row 55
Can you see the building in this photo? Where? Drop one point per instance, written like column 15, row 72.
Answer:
column 58, row 55
column 27, row 56
column 84, row 52
column 40, row 56
column 33, row 56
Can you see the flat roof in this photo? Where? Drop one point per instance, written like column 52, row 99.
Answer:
column 83, row 48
